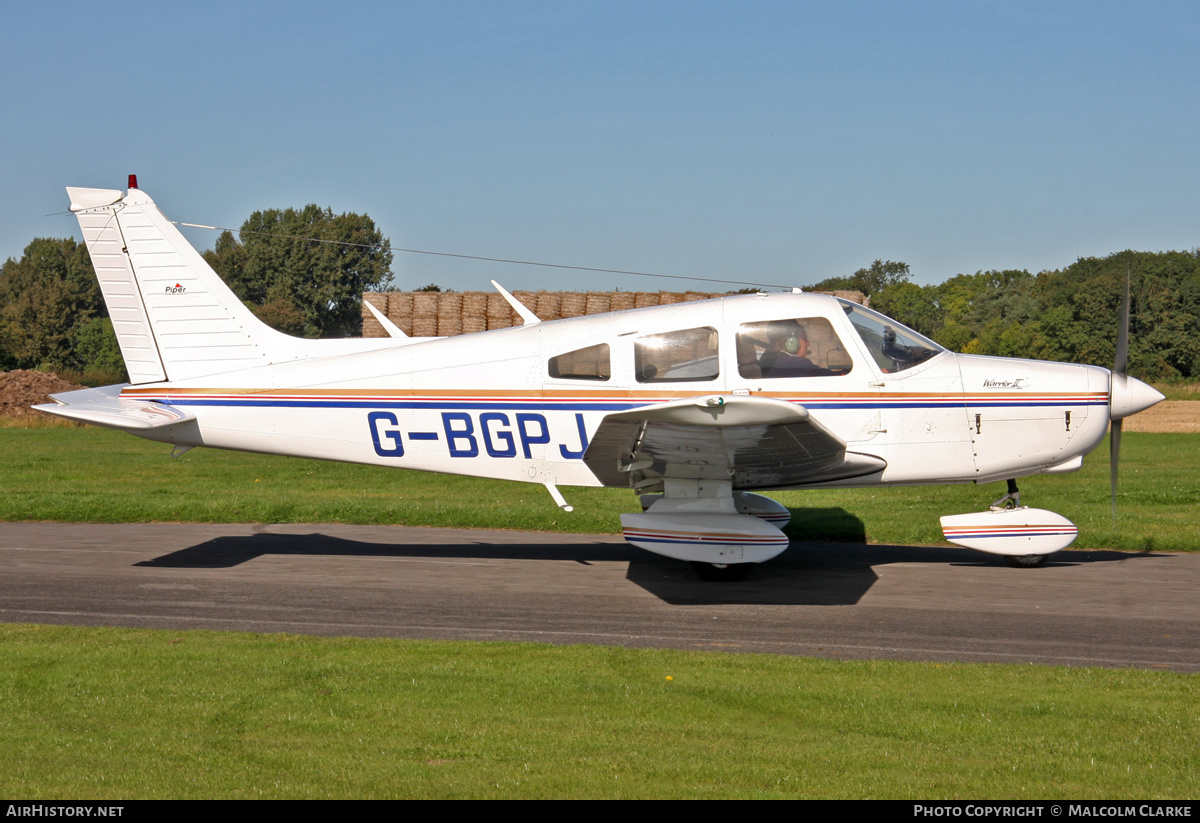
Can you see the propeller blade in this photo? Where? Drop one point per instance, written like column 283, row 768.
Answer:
column 1119, row 376
column 1122, row 359
column 1114, row 454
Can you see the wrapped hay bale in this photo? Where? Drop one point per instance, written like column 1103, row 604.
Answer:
column 528, row 299
column 597, row 302
column 449, row 314
column 573, row 304
column 853, row 295
column 499, row 313
column 372, row 327
column 621, row 300
column 424, row 327
column 425, row 313
column 400, row 310
column 549, row 305
column 474, row 312
column 425, row 305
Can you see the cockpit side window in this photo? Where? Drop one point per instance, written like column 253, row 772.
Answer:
column 677, row 357
column 894, row 346
column 792, row 347
column 591, row 363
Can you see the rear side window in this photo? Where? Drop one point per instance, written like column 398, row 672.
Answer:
column 677, row 357
column 591, row 363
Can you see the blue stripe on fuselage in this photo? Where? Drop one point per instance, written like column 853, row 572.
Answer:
column 438, row 405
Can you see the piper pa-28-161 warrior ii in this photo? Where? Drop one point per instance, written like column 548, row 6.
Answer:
column 695, row 406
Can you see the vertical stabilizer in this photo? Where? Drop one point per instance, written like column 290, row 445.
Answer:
column 173, row 316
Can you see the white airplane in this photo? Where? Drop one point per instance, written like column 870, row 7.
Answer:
column 695, row 406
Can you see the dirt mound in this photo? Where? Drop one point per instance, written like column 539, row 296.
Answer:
column 22, row 388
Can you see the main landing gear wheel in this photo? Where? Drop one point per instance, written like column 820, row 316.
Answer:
column 1025, row 561
column 721, row 572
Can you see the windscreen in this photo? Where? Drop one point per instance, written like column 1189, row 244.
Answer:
column 894, row 346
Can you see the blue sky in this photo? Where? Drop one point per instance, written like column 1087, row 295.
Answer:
column 763, row 142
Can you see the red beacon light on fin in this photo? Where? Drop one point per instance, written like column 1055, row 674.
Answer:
column 133, row 181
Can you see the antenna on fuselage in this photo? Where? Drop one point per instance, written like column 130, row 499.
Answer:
column 520, row 308
column 388, row 326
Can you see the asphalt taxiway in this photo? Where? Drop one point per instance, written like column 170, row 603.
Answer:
column 1084, row 608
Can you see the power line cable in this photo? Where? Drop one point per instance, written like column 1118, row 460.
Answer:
column 492, row 259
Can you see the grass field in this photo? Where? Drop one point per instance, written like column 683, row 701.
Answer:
column 117, row 713
column 97, row 475
column 1179, row 391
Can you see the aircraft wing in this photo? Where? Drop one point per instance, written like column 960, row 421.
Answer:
column 755, row 442
column 105, row 407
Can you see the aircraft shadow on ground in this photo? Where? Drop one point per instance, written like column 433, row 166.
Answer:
column 228, row 552
column 810, row 572
column 806, row 574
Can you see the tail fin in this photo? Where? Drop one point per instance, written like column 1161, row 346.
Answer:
column 173, row 316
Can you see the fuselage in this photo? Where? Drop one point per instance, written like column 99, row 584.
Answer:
column 522, row 403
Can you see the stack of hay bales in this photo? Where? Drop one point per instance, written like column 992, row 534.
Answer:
column 449, row 314
column 573, row 304
column 499, row 313
column 400, row 310
column 371, row 326
column 424, row 314
column 474, row 309
column 621, row 300
column 442, row 314
column 549, row 304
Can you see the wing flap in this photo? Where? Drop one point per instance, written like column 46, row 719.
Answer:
column 105, row 407
column 754, row 442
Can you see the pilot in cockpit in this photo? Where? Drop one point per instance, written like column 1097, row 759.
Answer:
column 787, row 355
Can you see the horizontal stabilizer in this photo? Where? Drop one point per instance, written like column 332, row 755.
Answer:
column 105, row 407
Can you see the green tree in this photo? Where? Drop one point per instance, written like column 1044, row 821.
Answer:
column 304, row 270
column 46, row 298
column 871, row 280
column 97, row 348
column 909, row 303
column 989, row 312
column 1084, row 301
column 1072, row 314
column 228, row 259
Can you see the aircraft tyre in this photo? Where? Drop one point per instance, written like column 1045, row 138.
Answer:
column 721, row 572
column 1025, row 561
